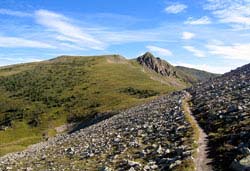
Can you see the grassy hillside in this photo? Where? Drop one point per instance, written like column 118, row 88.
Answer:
column 36, row 98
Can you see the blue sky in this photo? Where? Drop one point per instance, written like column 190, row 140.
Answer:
column 212, row 35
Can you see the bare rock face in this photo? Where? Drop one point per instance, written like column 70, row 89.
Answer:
column 156, row 64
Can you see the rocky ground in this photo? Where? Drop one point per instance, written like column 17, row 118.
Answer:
column 222, row 108
column 153, row 136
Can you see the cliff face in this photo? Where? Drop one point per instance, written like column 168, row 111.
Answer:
column 156, row 64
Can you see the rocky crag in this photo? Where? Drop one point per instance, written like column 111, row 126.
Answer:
column 222, row 108
column 156, row 64
column 153, row 136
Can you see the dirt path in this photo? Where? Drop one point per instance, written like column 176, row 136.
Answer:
column 201, row 161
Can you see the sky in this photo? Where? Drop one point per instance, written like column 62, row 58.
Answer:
column 212, row 35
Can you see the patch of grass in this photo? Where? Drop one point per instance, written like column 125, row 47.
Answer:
column 139, row 93
column 18, row 137
column 186, row 165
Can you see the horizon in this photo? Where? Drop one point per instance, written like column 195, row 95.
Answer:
column 185, row 33
column 106, row 55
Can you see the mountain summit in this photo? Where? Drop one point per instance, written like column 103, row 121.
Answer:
column 160, row 66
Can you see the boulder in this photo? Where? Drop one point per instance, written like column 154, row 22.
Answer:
column 241, row 165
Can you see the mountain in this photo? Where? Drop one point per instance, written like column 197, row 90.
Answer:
column 39, row 100
column 160, row 66
column 164, row 68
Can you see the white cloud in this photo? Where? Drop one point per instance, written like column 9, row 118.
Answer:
column 160, row 51
column 201, row 21
column 187, row 35
column 21, row 59
column 195, row 51
column 175, row 9
column 66, row 31
column 236, row 51
column 209, row 68
column 15, row 42
column 14, row 13
column 127, row 36
column 5, row 61
column 235, row 12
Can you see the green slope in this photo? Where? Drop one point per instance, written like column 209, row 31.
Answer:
column 36, row 98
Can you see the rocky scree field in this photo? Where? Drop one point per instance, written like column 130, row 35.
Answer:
column 222, row 108
column 152, row 136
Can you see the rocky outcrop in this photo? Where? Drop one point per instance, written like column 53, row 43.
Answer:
column 165, row 69
column 241, row 165
column 156, row 64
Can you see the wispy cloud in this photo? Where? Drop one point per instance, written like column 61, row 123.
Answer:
column 195, row 51
column 15, row 42
column 235, row 12
column 4, row 61
column 209, row 68
column 61, row 32
column 66, row 31
column 111, row 36
column 14, row 13
column 187, row 35
column 160, row 51
column 236, row 51
column 200, row 21
column 175, row 8
column 21, row 59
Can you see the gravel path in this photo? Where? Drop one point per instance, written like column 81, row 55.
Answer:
column 202, row 162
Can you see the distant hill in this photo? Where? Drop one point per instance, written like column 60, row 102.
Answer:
column 37, row 98
column 199, row 75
